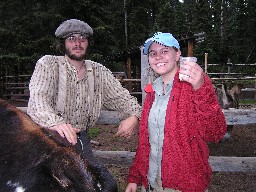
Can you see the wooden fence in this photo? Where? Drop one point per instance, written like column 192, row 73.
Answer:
column 224, row 164
column 16, row 86
column 233, row 117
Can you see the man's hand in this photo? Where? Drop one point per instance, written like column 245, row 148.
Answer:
column 66, row 130
column 127, row 127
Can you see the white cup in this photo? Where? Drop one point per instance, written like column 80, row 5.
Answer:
column 182, row 59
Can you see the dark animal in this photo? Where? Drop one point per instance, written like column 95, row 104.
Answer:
column 228, row 99
column 35, row 160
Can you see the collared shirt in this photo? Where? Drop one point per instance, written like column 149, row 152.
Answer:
column 44, row 89
column 156, row 122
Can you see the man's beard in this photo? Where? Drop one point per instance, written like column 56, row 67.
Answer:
column 74, row 57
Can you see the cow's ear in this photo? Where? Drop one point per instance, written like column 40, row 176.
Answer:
column 62, row 180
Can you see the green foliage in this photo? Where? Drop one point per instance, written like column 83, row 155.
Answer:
column 93, row 132
column 27, row 28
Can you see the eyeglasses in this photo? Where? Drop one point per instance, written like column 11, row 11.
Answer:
column 80, row 38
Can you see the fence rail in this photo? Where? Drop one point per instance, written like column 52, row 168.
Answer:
column 233, row 116
column 20, row 90
column 217, row 163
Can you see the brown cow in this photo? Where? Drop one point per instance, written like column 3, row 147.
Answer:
column 34, row 159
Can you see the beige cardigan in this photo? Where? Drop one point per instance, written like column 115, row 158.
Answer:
column 78, row 109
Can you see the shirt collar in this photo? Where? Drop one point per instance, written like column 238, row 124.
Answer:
column 158, row 85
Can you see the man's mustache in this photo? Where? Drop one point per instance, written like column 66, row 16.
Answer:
column 78, row 48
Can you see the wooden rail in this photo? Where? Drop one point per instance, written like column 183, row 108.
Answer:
column 232, row 64
column 240, row 116
column 16, row 91
column 217, row 163
column 233, row 116
column 234, row 78
column 228, row 74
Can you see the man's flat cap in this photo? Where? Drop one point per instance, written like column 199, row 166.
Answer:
column 73, row 26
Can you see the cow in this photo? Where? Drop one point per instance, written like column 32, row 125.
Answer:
column 228, row 99
column 37, row 159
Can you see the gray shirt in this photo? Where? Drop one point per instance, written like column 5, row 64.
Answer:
column 156, row 122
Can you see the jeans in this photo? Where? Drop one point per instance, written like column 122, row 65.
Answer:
column 158, row 187
column 101, row 174
column 86, row 145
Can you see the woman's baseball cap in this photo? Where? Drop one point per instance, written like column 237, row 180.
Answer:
column 165, row 39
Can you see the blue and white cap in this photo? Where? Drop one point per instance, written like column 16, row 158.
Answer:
column 165, row 39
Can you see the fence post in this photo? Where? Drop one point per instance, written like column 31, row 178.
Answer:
column 129, row 76
column 255, row 88
column 144, row 73
column 205, row 63
column 229, row 63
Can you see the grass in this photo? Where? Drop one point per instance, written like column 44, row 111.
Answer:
column 248, row 101
column 93, row 132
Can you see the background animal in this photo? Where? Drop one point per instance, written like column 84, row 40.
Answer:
column 228, row 99
column 36, row 160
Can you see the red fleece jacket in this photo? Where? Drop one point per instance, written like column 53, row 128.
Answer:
column 193, row 118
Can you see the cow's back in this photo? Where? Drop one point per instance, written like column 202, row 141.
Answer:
column 30, row 161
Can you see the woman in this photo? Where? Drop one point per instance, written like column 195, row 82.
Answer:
column 179, row 117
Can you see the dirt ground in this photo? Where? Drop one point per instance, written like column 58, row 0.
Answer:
column 241, row 144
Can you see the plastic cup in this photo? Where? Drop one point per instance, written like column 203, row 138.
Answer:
column 182, row 59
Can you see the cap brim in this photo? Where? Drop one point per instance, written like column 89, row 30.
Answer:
column 146, row 46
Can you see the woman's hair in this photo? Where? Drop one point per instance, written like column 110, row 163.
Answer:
column 176, row 49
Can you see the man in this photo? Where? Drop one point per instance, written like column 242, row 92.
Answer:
column 68, row 92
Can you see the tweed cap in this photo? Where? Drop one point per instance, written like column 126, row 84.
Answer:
column 73, row 26
column 165, row 39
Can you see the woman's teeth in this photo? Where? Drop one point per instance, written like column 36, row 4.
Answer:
column 160, row 64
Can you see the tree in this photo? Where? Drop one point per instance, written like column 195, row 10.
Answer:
column 27, row 28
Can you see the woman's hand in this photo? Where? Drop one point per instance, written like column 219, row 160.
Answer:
column 193, row 74
column 131, row 187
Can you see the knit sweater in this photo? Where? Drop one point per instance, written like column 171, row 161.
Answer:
column 193, row 118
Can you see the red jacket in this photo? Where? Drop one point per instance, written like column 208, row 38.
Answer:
column 193, row 118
